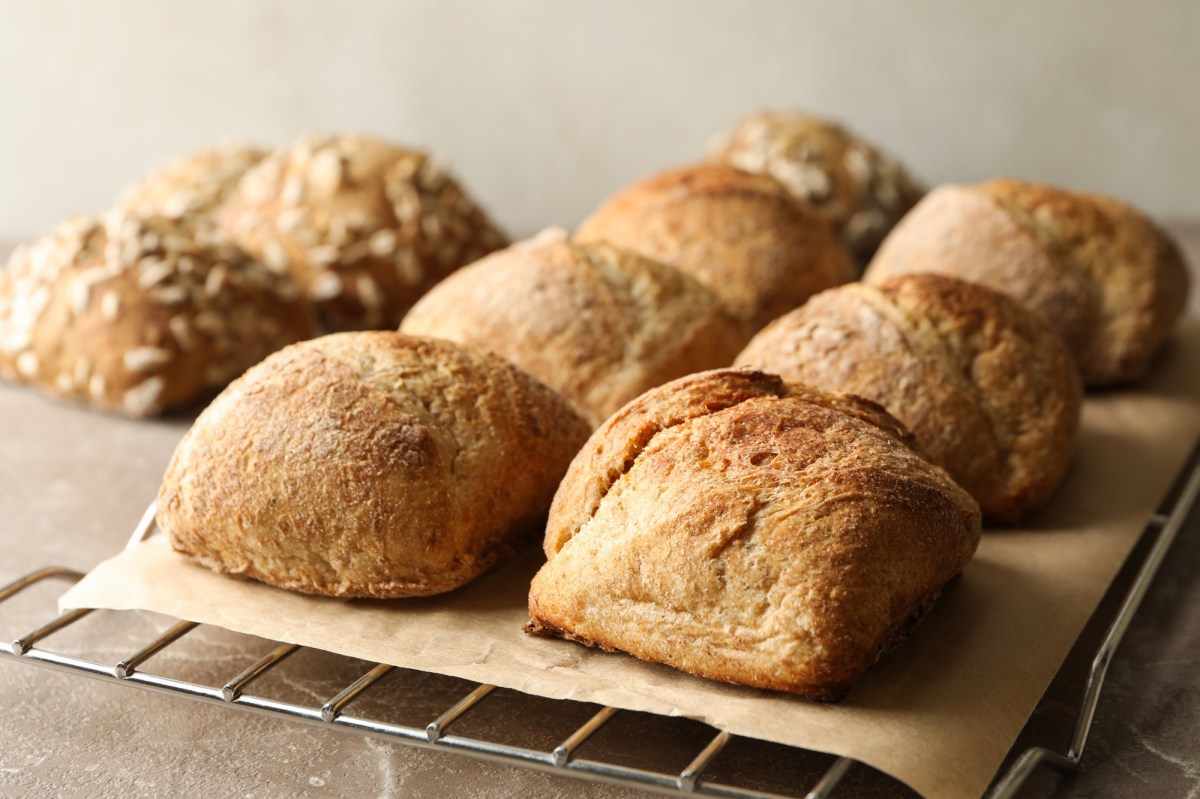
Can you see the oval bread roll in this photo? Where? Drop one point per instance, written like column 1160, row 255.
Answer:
column 746, row 530
column 988, row 390
column 369, row 465
column 740, row 234
column 365, row 227
column 1108, row 280
column 597, row 324
column 139, row 314
column 859, row 188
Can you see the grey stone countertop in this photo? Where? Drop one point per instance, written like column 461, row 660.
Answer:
column 72, row 486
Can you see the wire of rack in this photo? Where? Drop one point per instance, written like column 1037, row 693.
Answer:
column 563, row 758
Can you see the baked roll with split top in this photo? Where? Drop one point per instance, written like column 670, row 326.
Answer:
column 746, row 530
column 598, row 324
column 1103, row 276
column 369, row 464
column 988, row 390
column 742, row 235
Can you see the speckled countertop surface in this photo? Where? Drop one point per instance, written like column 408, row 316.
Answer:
column 73, row 485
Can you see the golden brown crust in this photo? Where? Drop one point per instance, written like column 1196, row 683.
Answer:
column 860, row 189
column 365, row 227
column 597, row 324
column 778, row 538
column 740, row 234
column 139, row 314
column 369, row 464
column 988, row 389
column 1110, row 282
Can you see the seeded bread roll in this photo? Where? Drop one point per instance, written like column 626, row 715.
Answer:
column 742, row 235
column 193, row 187
column 750, row 531
column 1108, row 280
column 988, row 390
column 139, row 314
column 364, row 227
column 369, row 465
column 859, row 188
column 597, row 324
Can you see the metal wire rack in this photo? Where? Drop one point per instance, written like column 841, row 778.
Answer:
column 562, row 759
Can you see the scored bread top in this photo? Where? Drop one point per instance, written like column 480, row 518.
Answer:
column 615, row 446
column 369, row 464
column 742, row 235
column 364, row 226
column 747, row 530
column 987, row 389
column 1101, row 274
column 139, row 313
column 597, row 324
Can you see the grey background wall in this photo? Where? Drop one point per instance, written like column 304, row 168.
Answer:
column 543, row 107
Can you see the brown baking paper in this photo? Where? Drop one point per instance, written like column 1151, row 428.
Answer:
column 939, row 714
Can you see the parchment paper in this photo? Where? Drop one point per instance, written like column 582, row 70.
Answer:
column 939, row 714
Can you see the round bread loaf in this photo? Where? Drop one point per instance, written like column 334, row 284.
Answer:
column 1108, row 280
column 194, row 186
column 988, row 390
column 597, row 324
column 369, row 465
column 139, row 314
column 859, row 188
column 364, row 227
column 740, row 234
column 746, row 530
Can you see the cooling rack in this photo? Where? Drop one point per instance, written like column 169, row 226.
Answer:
column 563, row 759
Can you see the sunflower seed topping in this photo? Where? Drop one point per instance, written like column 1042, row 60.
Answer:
column 143, row 359
column 325, row 287
column 110, row 305
column 369, row 293
column 382, row 243
column 143, row 397
column 27, row 364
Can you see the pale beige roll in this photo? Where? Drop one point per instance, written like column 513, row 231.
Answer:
column 750, row 531
column 597, row 324
column 742, row 235
column 842, row 177
column 988, row 390
column 369, row 464
column 1100, row 273
column 139, row 314
column 194, row 186
column 365, row 227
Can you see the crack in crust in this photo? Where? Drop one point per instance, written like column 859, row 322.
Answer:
column 637, row 424
column 752, row 531
column 1097, row 271
column 986, row 387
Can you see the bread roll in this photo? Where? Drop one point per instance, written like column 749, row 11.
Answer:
column 746, row 530
column 988, row 390
column 597, row 324
column 365, row 227
column 859, row 188
column 194, row 186
column 742, row 235
column 1109, row 281
column 139, row 314
column 369, row 465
